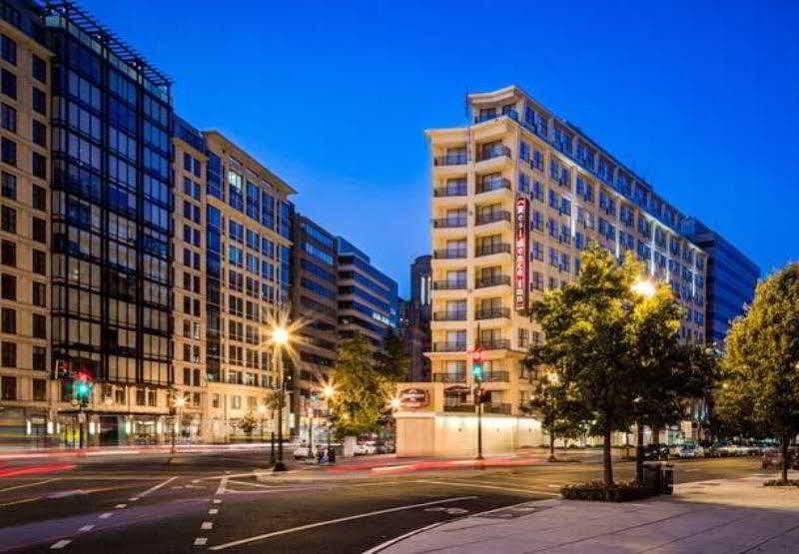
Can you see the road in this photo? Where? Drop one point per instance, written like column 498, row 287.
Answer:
column 230, row 502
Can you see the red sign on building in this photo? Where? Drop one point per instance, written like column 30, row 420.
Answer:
column 522, row 248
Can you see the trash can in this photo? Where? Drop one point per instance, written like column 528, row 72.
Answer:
column 653, row 478
column 667, row 478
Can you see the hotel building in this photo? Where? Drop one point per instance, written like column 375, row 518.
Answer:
column 517, row 195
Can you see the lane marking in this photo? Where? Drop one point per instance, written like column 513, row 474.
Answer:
column 29, row 485
column 200, row 541
column 133, row 498
column 23, row 501
column 120, row 506
column 217, row 500
column 207, row 525
column 495, row 487
column 222, row 484
column 85, row 528
column 395, row 540
column 249, row 484
column 213, row 511
column 338, row 520
column 156, row 487
column 106, row 515
column 60, row 544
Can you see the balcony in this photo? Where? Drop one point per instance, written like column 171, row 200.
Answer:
column 449, row 377
column 492, row 281
column 450, row 254
column 493, row 408
column 497, row 151
column 492, row 217
column 443, row 192
column 449, row 222
column 495, row 344
column 490, row 249
column 460, row 408
column 496, row 183
column 449, row 347
column 459, row 315
column 492, row 313
column 450, row 159
column 496, row 377
column 449, row 285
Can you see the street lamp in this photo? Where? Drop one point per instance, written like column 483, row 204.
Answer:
column 280, row 338
column 644, row 287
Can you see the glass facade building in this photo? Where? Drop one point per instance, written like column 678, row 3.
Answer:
column 731, row 279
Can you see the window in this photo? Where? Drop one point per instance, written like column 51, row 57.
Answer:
column 8, row 253
column 119, row 396
column 39, row 198
column 9, row 321
column 8, row 219
column 39, row 262
column 140, row 397
column 8, row 49
column 39, row 294
column 39, row 165
column 39, row 326
column 39, row 132
column 39, row 358
column 39, row 390
column 39, row 100
column 8, row 151
column 8, row 84
column 8, row 287
column 8, row 354
column 8, row 384
column 39, row 230
column 8, row 185
column 39, row 69
column 152, row 399
column 8, row 118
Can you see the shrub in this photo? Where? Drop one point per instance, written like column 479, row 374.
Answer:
column 598, row 491
column 781, row 483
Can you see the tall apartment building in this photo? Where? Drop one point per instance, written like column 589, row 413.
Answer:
column 248, row 220
column 415, row 316
column 518, row 194
column 731, row 279
column 314, row 303
column 26, row 393
column 368, row 300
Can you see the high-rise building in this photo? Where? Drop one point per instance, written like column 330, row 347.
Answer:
column 26, row 391
column 247, row 220
column 368, row 301
column 518, row 194
column 731, row 279
column 315, row 305
column 415, row 316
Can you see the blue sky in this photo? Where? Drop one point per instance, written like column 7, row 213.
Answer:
column 701, row 99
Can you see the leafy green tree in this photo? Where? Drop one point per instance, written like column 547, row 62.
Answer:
column 364, row 380
column 561, row 415
column 761, row 361
column 586, row 325
column 248, row 423
column 392, row 360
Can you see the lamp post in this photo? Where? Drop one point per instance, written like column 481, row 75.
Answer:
column 328, row 391
column 180, row 401
column 280, row 337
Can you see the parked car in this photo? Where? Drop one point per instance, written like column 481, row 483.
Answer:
column 302, row 452
column 691, row 451
column 656, row 452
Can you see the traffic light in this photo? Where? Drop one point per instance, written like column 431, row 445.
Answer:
column 82, row 388
column 477, row 368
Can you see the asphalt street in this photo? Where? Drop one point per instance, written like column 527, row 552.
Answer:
column 232, row 502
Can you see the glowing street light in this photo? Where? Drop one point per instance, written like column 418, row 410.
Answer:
column 280, row 336
column 395, row 403
column 644, row 288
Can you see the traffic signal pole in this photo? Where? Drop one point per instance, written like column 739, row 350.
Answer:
column 477, row 375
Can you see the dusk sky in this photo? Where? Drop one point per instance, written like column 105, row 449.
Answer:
column 701, row 99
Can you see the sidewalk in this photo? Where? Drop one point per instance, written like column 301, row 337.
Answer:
column 722, row 516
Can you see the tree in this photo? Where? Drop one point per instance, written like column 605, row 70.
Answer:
column 364, row 380
column 761, row 361
column 561, row 415
column 587, row 344
column 392, row 360
column 248, row 423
